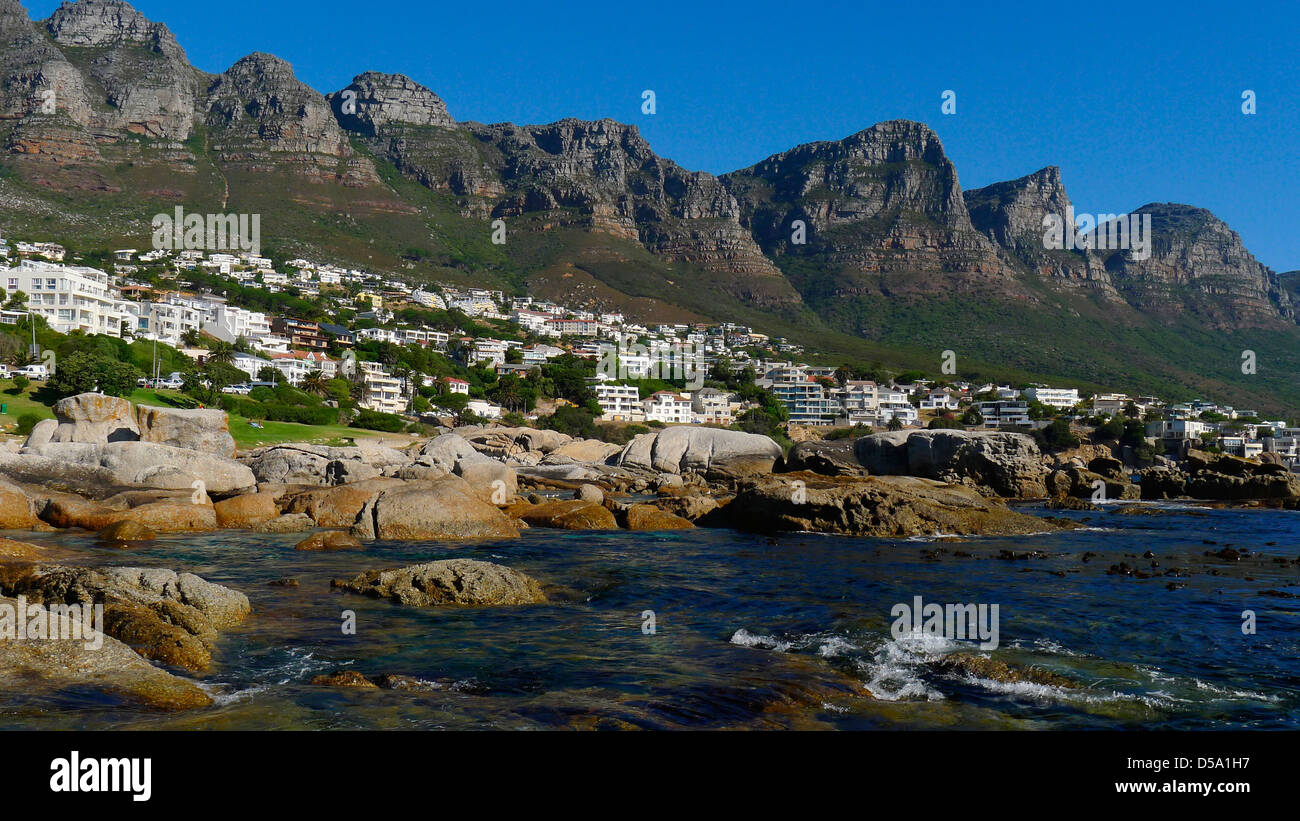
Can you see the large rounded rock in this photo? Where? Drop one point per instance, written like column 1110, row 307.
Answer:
column 166, row 516
column 295, row 464
column 247, row 510
column 339, row 506
column 587, row 450
column 42, row 433
column 201, row 429
column 94, row 418
column 504, row 443
column 829, row 458
column 714, row 453
column 89, row 468
column 1009, row 464
column 651, row 517
column 15, row 508
column 446, row 508
column 169, row 617
column 94, row 662
column 449, row 582
column 490, row 479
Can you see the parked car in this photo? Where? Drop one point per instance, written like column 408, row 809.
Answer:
column 35, row 372
column 241, row 388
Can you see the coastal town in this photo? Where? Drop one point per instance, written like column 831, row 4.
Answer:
column 636, row 374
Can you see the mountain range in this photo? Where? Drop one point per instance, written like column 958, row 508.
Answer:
column 864, row 248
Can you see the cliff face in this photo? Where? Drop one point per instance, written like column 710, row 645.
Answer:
column 1011, row 214
column 882, row 212
column 260, row 117
column 135, row 70
column 600, row 176
column 1199, row 265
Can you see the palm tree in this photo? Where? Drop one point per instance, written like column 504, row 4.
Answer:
column 316, row 384
column 191, row 337
column 222, row 353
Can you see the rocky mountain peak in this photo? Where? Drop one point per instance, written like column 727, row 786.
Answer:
column 1200, row 265
column 378, row 100
column 1011, row 213
column 258, row 107
column 98, row 23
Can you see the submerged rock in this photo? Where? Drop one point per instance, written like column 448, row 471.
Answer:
column 872, row 506
column 651, row 517
column 462, row 582
column 566, row 514
column 986, row 667
column 329, row 540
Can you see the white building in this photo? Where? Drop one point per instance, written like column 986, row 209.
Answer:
column 249, row 364
column 70, row 297
column 620, row 403
column 669, row 408
column 230, row 323
column 710, row 406
column 1064, row 398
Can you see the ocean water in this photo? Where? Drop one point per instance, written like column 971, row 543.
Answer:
column 791, row 631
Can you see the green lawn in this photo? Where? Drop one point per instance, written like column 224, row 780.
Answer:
column 245, row 435
column 16, row 404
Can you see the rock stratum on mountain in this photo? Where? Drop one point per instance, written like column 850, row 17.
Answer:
column 866, row 246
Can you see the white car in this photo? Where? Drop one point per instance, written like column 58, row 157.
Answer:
column 35, row 372
column 240, row 389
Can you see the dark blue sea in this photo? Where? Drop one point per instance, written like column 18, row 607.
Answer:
column 1143, row 611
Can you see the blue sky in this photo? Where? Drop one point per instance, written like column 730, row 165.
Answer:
column 1136, row 102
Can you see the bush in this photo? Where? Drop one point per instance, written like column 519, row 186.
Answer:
column 21, row 382
column 26, row 422
column 374, row 420
column 576, row 422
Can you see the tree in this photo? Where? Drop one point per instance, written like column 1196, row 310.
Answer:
column 268, row 373
column 316, row 384
column 191, row 337
column 84, row 372
column 894, row 423
column 222, row 353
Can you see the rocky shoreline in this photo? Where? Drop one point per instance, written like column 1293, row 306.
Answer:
column 130, row 474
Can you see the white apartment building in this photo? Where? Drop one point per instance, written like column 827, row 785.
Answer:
column 69, row 297
column 669, row 408
column 1110, row 403
column 378, row 334
column 484, row 408
column 229, row 323
column 488, row 351
column 940, row 400
column 383, row 391
column 904, row 411
column 1063, row 398
column 620, row 403
column 710, row 406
